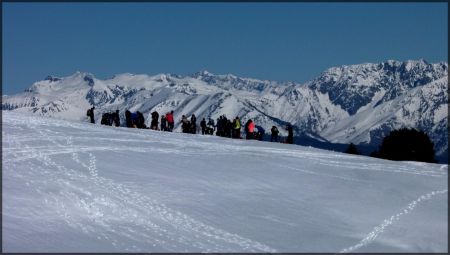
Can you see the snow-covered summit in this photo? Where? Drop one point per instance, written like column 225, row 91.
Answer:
column 202, row 73
column 353, row 87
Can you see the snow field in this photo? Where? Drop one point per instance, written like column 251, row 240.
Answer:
column 77, row 187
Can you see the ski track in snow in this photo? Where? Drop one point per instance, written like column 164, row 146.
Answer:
column 327, row 160
column 105, row 204
column 105, row 212
column 325, row 175
column 244, row 150
column 379, row 167
column 387, row 222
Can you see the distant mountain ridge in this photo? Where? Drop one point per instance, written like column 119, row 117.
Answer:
column 356, row 103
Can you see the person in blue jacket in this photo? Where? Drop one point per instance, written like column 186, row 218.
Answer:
column 260, row 132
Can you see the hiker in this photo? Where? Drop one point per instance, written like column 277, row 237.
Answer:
column 134, row 120
column 185, row 124
column 237, row 128
column 251, row 129
column 90, row 113
column 260, row 133
column 109, row 118
column 229, row 129
column 163, row 123
column 105, row 119
column 170, row 122
column 140, row 120
column 154, row 123
column 219, row 126
column 274, row 135
column 210, row 127
column 223, row 126
column 193, row 124
column 211, row 123
column 246, row 129
column 203, row 126
column 116, row 118
column 290, row 137
column 128, row 120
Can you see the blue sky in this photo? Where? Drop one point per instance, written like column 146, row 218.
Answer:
column 274, row 41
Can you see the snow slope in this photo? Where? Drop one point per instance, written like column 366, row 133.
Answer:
column 77, row 187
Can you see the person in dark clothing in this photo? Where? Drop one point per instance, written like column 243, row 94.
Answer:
column 193, row 124
column 128, row 120
column 105, row 119
column 163, row 123
column 219, row 126
column 90, row 113
column 140, row 120
column 224, row 130
column 211, row 123
column 210, row 127
column 110, row 118
column 226, row 127
column 290, row 137
column 185, row 124
column 134, row 119
column 155, row 115
column 203, row 126
column 260, row 132
column 116, row 118
column 154, row 123
column 229, row 129
column 274, row 135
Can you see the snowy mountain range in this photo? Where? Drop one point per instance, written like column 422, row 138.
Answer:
column 357, row 103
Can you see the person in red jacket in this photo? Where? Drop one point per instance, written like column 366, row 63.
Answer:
column 251, row 129
column 170, row 122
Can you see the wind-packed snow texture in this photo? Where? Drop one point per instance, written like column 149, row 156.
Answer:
column 359, row 103
column 76, row 187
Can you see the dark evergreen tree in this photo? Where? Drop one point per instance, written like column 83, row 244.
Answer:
column 351, row 149
column 407, row 144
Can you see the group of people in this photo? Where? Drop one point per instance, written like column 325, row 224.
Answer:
column 232, row 129
column 135, row 119
column 190, row 125
column 167, row 121
column 225, row 127
column 110, row 118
